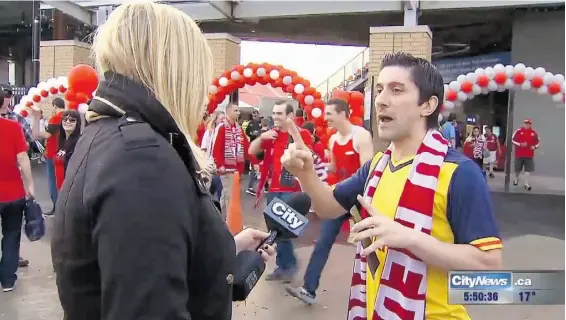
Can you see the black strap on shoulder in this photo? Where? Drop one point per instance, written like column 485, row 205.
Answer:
column 136, row 134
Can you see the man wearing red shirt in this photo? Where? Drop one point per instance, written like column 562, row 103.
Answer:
column 492, row 146
column 283, row 184
column 526, row 140
column 229, row 152
column 350, row 147
column 51, row 135
column 13, row 156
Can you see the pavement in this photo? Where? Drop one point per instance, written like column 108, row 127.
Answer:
column 532, row 228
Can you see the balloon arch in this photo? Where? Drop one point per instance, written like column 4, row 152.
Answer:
column 290, row 82
column 501, row 78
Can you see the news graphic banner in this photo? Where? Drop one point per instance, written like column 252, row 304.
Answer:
column 506, row 287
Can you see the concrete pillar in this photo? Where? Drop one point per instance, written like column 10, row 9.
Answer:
column 416, row 40
column 59, row 56
column 225, row 51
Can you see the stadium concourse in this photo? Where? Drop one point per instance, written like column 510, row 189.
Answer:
column 532, row 228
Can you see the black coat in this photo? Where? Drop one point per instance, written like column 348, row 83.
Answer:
column 136, row 234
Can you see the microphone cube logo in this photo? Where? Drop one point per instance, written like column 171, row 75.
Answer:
column 480, row 280
column 286, row 216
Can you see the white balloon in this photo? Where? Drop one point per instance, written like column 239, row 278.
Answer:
column 223, row 81
column 480, row 72
column 462, row 96
column 446, row 87
column 471, row 95
column 476, row 89
column 557, row 97
column 558, row 78
column 43, row 86
column 454, row 86
column 449, row 105
column 53, row 83
column 519, row 68
column 213, row 89
column 235, row 75
column 274, row 74
column 509, row 71
column 526, row 86
column 485, row 90
column 33, row 91
column 472, row 77
column 490, row 73
column 445, row 114
column 542, row 90
column 261, row 72
column 287, row 80
column 461, row 78
column 540, row 71
column 248, row 72
column 63, row 81
column 440, row 117
column 316, row 112
column 548, row 78
column 509, row 84
column 529, row 73
column 492, row 85
column 309, row 99
column 83, row 107
column 18, row 108
column 501, row 88
column 499, row 68
column 299, row 88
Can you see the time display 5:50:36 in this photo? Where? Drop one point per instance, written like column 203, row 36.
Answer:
column 481, row 296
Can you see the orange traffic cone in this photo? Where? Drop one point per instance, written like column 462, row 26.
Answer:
column 234, row 218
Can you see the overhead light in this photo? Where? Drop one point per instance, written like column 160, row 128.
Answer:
column 253, row 31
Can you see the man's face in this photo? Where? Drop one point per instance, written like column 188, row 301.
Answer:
column 255, row 115
column 397, row 104
column 488, row 131
column 232, row 112
column 332, row 117
column 476, row 132
column 279, row 115
column 526, row 125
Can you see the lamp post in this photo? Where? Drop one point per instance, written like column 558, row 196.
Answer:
column 35, row 41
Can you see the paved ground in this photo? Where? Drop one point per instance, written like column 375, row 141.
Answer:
column 532, row 227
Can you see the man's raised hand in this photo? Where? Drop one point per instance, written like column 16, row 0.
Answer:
column 297, row 158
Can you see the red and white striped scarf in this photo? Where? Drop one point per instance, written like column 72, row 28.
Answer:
column 233, row 143
column 403, row 281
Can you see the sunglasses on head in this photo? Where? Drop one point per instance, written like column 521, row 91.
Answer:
column 69, row 119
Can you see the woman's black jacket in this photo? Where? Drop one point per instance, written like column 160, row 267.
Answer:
column 136, row 233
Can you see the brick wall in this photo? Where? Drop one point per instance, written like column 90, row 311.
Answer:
column 416, row 40
column 225, row 50
column 57, row 58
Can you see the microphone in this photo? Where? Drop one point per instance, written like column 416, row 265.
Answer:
column 284, row 220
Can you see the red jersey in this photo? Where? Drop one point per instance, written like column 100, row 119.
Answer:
column 12, row 143
column 346, row 157
column 53, row 129
column 527, row 136
column 491, row 141
column 277, row 148
column 219, row 148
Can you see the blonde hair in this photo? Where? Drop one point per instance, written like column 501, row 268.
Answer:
column 211, row 122
column 162, row 48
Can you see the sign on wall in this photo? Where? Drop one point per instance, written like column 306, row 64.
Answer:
column 451, row 68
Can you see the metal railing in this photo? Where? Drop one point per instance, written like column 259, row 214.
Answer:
column 350, row 72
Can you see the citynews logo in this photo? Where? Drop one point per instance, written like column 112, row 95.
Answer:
column 480, row 281
column 288, row 215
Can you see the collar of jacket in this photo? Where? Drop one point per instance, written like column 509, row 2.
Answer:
column 139, row 102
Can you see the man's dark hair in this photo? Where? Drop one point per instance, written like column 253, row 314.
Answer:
column 288, row 107
column 58, row 103
column 425, row 76
column 299, row 113
column 339, row 106
column 309, row 126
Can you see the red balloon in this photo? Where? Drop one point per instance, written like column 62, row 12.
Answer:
column 24, row 113
column 500, row 78
column 482, row 81
column 317, row 95
column 29, row 104
column 300, row 98
column 356, row 111
column 519, row 78
column 319, row 131
column 451, row 95
column 554, row 88
column 466, row 86
column 72, row 105
column 318, row 104
column 53, row 90
column 70, row 95
column 81, row 97
column 83, row 78
column 289, row 89
column 36, row 98
column 357, row 121
column 62, row 89
column 356, row 98
column 339, row 94
column 537, row 82
column 44, row 93
column 331, row 131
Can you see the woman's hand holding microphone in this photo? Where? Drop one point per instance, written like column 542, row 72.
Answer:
column 250, row 239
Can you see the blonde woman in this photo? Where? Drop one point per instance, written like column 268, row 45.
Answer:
column 136, row 235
